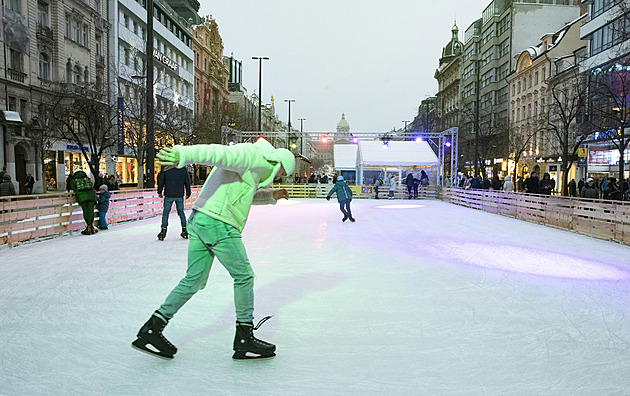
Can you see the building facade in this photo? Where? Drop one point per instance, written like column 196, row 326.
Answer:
column 490, row 44
column 211, row 72
column 542, row 70
column 46, row 45
column 448, row 76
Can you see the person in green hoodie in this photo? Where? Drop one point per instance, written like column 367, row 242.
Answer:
column 238, row 179
column 81, row 184
column 344, row 196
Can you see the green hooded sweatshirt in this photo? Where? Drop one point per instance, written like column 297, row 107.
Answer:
column 239, row 172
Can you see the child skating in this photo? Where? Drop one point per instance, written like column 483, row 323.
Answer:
column 215, row 226
column 344, row 196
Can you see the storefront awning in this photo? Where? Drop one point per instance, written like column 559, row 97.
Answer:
column 11, row 116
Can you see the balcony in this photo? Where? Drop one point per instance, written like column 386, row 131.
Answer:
column 100, row 61
column 44, row 32
column 17, row 75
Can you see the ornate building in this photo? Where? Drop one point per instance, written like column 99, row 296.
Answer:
column 53, row 43
column 211, row 72
column 343, row 130
column 448, row 79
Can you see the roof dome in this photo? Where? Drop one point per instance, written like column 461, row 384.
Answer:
column 343, row 125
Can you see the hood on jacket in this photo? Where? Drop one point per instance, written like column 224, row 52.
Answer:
column 279, row 156
column 6, row 177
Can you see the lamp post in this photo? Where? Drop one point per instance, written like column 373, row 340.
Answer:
column 260, row 59
column 150, row 158
column 289, row 122
column 302, row 135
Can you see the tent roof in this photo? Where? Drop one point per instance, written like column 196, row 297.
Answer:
column 345, row 156
column 397, row 153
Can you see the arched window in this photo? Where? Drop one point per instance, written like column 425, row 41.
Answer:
column 44, row 67
column 76, row 75
column 68, row 72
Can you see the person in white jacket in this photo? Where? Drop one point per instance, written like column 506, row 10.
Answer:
column 392, row 187
column 508, row 185
column 240, row 174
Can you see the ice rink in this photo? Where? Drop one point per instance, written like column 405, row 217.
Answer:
column 415, row 298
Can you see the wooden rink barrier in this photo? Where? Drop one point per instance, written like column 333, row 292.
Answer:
column 30, row 217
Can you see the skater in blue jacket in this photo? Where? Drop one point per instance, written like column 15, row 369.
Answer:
column 344, row 196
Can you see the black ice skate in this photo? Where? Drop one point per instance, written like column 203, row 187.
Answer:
column 152, row 341
column 352, row 219
column 162, row 234
column 345, row 217
column 184, row 233
column 246, row 346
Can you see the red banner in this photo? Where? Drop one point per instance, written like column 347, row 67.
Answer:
column 206, row 97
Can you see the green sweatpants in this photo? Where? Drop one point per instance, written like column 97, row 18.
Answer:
column 209, row 238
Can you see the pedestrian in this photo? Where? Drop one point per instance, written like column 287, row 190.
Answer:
column 377, row 184
column 614, row 190
column 69, row 182
column 476, row 183
column 102, row 204
column 531, row 184
column 589, row 190
column 410, row 182
column 508, row 185
column 485, row 184
column 30, row 182
column 173, row 181
column 392, row 187
column 98, row 181
column 344, row 196
column 580, row 185
column 572, row 188
column 118, row 181
column 605, row 190
column 6, row 186
column 82, row 187
column 496, row 182
column 546, row 185
column 240, row 174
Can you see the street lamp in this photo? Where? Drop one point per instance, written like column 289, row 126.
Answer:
column 301, row 135
column 150, row 158
column 260, row 59
column 289, row 122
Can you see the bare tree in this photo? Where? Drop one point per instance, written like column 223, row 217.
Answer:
column 41, row 134
column 567, row 90
column 84, row 116
column 609, row 108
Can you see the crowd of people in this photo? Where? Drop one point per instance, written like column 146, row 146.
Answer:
column 606, row 188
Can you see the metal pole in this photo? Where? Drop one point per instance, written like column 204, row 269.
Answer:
column 302, row 135
column 260, row 59
column 150, row 168
column 289, row 122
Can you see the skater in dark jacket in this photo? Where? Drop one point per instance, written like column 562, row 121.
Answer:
column 173, row 181
column 344, row 196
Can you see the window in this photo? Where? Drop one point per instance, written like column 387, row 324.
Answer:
column 86, row 35
column 86, row 76
column 544, row 74
column 98, row 45
column 76, row 75
column 76, row 31
column 97, row 6
column 518, row 87
column 536, row 78
column 530, row 80
column 536, row 108
column 126, row 21
column 126, row 55
column 43, row 14
column 44, row 67
column 529, row 110
column 14, row 5
column 15, row 60
column 12, row 103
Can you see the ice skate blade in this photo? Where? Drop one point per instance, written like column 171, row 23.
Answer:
column 142, row 347
column 244, row 355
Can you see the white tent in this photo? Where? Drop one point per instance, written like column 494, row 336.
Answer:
column 345, row 156
column 394, row 154
column 373, row 153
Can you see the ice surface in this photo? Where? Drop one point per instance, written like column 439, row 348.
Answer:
column 419, row 297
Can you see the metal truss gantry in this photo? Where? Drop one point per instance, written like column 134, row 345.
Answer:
column 442, row 143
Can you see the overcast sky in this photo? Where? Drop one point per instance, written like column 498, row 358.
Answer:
column 372, row 60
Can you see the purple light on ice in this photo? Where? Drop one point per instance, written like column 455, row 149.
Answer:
column 532, row 261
